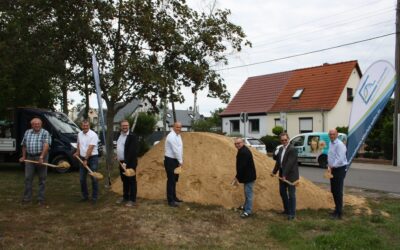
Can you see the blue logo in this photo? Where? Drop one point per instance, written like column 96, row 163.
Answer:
column 368, row 89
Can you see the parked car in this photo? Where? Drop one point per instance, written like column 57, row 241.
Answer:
column 255, row 143
column 312, row 148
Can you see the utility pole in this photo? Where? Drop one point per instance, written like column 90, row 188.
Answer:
column 397, row 90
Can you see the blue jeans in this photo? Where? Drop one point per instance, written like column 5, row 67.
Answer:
column 30, row 169
column 248, row 194
column 288, row 195
column 93, row 163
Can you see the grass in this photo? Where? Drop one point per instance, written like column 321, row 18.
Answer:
column 67, row 224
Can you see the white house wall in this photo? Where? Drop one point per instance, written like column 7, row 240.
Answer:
column 293, row 121
column 226, row 126
column 339, row 115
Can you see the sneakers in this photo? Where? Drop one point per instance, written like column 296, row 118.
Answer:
column 130, row 204
column 121, row 200
column 244, row 215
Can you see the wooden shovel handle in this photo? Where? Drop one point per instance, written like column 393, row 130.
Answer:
column 83, row 164
column 44, row 163
column 288, row 182
column 122, row 165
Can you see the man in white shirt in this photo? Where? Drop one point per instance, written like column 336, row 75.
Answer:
column 337, row 163
column 87, row 150
column 173, row 159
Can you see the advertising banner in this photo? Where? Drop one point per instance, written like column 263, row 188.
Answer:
column 374, row 91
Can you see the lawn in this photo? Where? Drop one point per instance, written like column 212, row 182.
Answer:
column 64, row 223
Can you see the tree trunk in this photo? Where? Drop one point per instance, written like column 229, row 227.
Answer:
column 165, row 110
column 173, row 111
column 64, row 89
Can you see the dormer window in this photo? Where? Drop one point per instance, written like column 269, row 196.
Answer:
column 297, row 93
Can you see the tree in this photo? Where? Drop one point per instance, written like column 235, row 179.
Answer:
column 144, row 127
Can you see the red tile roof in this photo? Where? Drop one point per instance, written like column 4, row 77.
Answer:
column 273, row 93
column 258, row 94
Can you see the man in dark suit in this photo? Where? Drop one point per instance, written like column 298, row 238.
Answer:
column 246, row 174
column 127, row 148
column 286, row 164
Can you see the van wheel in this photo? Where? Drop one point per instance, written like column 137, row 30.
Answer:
column 57, row 160
column 323, row 161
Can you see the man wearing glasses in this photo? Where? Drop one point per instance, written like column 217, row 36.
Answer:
column 286, row 164
column 246, row 174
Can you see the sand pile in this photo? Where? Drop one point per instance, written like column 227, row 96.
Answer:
column 209, row 167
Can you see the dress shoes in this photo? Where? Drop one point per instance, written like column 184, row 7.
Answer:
column 178, row 200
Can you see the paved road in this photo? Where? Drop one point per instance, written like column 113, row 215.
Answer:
column 362, row 175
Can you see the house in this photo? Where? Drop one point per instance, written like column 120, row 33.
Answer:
column 302, row 100
column 186, row 117
column 129, row 109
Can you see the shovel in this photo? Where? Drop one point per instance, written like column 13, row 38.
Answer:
column 62, row 164
column 295, row 183
column 127, row 171
column 95, row 175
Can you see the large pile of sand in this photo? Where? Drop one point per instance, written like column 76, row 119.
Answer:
column 209, row 167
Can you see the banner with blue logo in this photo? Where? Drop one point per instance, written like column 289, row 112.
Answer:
column 374, row 91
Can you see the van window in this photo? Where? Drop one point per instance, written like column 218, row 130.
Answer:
column 298, row 141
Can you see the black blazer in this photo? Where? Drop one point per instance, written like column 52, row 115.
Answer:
column 290, row 169
column 245, row 168
column 131, row 151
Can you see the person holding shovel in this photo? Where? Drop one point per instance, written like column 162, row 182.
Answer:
column 87, row 151
column 286, row 164
column 246, row 174
column 337, row 163
column 127, row 148
column 173, row 158
column 35, row 147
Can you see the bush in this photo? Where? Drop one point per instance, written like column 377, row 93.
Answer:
column 277, row 130
column 271, row 142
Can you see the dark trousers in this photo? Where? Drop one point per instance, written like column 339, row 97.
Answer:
column 288, row 195
column 170, row 164
column 129, row 186
column 337, row 183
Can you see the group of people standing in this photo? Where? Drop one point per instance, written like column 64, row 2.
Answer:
column 288, row 172
column 37, row 141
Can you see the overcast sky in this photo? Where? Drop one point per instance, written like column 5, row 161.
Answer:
column 285, row 28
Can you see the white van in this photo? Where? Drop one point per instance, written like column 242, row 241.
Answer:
column 312, row 148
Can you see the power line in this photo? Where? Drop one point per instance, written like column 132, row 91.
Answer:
column 307, row 53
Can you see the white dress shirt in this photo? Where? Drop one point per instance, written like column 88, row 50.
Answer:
column 121, row 146
column 337, row 154
column 174, row 147
column 283, row 153
column 85, row 140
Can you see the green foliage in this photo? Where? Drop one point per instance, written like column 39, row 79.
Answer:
column 277, row 130
column 344, row 130
column 381, row 136
column 145, row 125
column 271, row 142
column 202, row 126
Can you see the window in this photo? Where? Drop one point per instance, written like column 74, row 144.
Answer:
column 297, row 141
column 254, row 125
column 297, row 93
column 349, row 94
column 278, row 122
column 305, row 125
column 235, row 126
